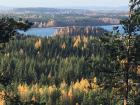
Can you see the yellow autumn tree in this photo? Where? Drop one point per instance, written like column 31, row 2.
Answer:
column 63, row 84
column 23, row 91
column 63, row 46
column 124, row 61
column 70, row 92
column 51, row 89
column 38, row 90
column 42, row 90
column 63, row 88
column 77, row 85
column 77, row 41
column 94, row 84
column 35, row 88
column 83, row 85
column 85, row 41
column 2, row 101
column 38, row 44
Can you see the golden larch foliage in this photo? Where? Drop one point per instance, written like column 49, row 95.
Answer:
column 38, row 90
column 2, row 101
column 42, row 91
column 77, row 41
column 124, row 61
column 83, row 85
column 23, row 91
column 70, row 93
column 63, row 46
column 63, row 85
column 38, row 44
column 95, row 80
column 77, row 85
column 85, row 41
column 94, row 84
column 51, row 89
column 35, row 88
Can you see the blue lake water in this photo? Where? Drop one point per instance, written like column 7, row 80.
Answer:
column 110, row 28
column 39, row 31
column 51, row 31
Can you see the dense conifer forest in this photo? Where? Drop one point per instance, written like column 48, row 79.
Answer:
column 70, row 69
column 80, row 70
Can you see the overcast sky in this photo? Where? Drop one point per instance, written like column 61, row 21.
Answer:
column 62, row 3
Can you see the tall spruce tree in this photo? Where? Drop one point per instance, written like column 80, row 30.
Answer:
column 131, row 27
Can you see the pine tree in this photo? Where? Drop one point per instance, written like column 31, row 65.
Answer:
column 131, row 26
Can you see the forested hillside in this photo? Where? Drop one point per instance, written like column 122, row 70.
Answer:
column 80, row 70
column 78, row 66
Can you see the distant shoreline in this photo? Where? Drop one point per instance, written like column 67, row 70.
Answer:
column 79, row 26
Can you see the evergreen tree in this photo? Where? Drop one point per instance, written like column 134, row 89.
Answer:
column 131, row 26
column 8, row 27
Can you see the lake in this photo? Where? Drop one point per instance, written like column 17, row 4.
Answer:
column 51, row 31
column 110, row 28
column 39, row 31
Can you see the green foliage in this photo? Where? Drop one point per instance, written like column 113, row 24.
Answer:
column 8, row 27
column 51, row 64
column 132, row 23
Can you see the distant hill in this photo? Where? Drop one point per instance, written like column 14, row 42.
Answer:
column 4, row 9
column 50, row 10
column 101, row 8
column 67, row 10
